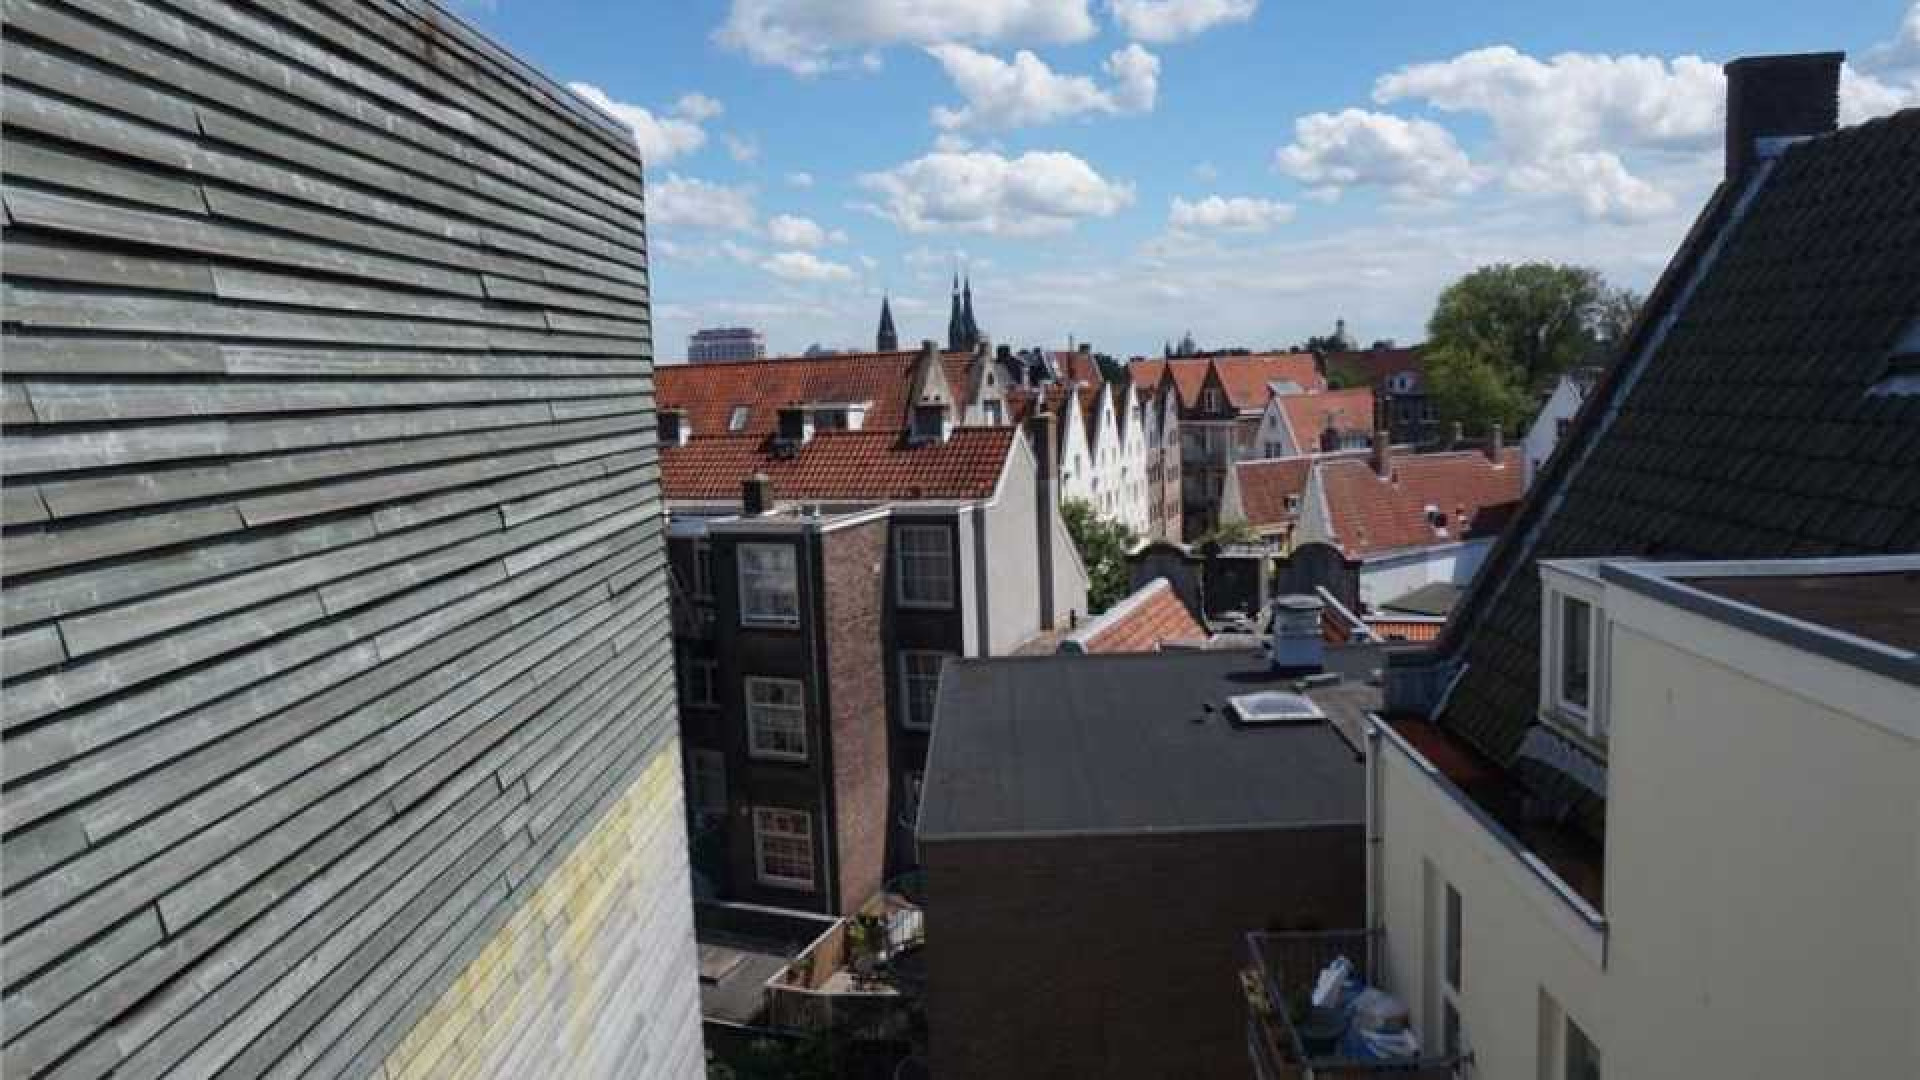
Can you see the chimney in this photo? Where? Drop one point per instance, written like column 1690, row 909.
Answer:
column 1456, row 432
column 1299, row 644
column 1040, row 437
column 756, row 495
column 1003, row 353
column 1496, row 442
column 1086, row 348
column 1774, row 98
column 1382, row 457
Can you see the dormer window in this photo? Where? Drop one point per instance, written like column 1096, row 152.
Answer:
column 1573, row 652
column 1210, row 400
column 929, row 422
column 737, row 420
column 673, row 427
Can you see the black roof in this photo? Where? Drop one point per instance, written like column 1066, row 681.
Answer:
column 1752, row 430
column 1064, row 745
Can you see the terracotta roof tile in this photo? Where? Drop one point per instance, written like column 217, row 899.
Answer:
column 1267, row 487
column 709, row 392
column 1248, row 379
column 1307, row 414
column 1371, row 515
column 1152, row 614
column 1375, row 365
column 1189, row 375
column 854, row 465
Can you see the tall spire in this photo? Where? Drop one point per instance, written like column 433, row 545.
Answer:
column 969, row 329
column 886, row 340
column 955, row 328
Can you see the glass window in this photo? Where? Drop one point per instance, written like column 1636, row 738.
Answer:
column 1583, row 1058
column 737, row 420
column 709, row 781
column 1210, row 399
column 1452, row 939
column 830, row 420
column 783, row 847
column 703, row 569
column 769, row 584
column 924, row 555
column 929, row 421
column 994, row 415
column 776, row 719
column 697, row 685
column 919, row 687
column 1576, row 651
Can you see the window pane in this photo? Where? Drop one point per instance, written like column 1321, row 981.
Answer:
column 776, row 719
column 1576, row 635
column 783, row 841
column 737, row 420
column 925, row 565
column 769, row 587
column 920, row 687
column 1452, row 938
column 1583, row 1058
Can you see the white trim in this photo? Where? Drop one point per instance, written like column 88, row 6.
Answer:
column 1560, row 582
column 783, row 881
column 761, row 621
column 754, row 749
column 901, row 530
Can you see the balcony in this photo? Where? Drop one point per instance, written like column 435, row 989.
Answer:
column 1278, row 984
column 861, row 980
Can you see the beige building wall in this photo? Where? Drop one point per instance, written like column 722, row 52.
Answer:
column 1763, row 874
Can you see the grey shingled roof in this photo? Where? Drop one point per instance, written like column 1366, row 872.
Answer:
column 1109, row 744
column 334, row 605
column 1752, row 431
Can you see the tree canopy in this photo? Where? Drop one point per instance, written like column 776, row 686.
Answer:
column 1103, row 545
column 1500, row 335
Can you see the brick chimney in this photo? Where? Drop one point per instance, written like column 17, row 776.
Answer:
column 1046, row 484
column 1496, row 442
column 756, row 495
column 1778, row 97
column 1382, row 456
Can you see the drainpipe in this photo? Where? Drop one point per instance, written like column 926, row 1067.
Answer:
column 1376, row 845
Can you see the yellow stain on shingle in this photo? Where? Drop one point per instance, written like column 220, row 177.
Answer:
column 544, row 969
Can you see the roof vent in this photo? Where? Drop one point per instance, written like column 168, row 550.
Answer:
column 1299, row 643
column 1273, row 708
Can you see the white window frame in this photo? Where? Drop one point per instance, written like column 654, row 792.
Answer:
column 1558, row 584
column 902, row 557
column 707, row 770
column 750, row 617
column 737, row 418
column 757, row 711
column 764, row 817
column 907, row 679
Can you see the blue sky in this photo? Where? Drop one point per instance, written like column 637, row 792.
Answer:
column 1245, row 169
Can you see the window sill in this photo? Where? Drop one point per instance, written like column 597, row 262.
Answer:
column 1574, row 723
column 786, row 883
column 777, row 759
column 768, row 622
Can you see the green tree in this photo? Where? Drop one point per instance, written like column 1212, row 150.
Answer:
column 1229, row 534
column 1103, row 545
column 1345, row 375
column 1501, row 333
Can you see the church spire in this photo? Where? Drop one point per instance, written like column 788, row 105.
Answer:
column 969, row 329
column 886, row 340
column 955, row 328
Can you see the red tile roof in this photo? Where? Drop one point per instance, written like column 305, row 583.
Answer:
column 853, row 465
column 1247, row 379
column 1409, row 630
column 1376, row 364
column 1152, row 614
column 1306, row 414
column 1370, row 515
column 1189, row 374
column 1146, row 374
column 1266, row 485
column 709, row 392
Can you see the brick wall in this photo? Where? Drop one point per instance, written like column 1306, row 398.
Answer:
column 854, row 581
column 1116, row 957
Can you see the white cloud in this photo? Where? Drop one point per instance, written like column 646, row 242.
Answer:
column 686, row 200
column 810, row 36
column 1888, row 76
column 1417, row 160
column 1206, row 172
column 744, row 149
column 800, row 179
column 1025, row 91
column 978, row 191
column 1901, row 55
column 1597, row 182
column 1161, row 21
column 805, row 266
column 698, row 108
column 949, row 143
column 660, row 138
column 792, row 231
column 1234, row 213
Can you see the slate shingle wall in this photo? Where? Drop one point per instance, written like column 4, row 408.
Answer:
column 334, row 601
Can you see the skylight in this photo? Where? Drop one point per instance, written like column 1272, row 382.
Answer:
column 1275, row 707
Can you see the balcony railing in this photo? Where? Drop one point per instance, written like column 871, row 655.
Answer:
column 1278, row 985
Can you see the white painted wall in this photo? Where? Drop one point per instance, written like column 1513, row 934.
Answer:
column 1762, row 880
column 1384, row 579
column 1111, row 472
column 1544, row 435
